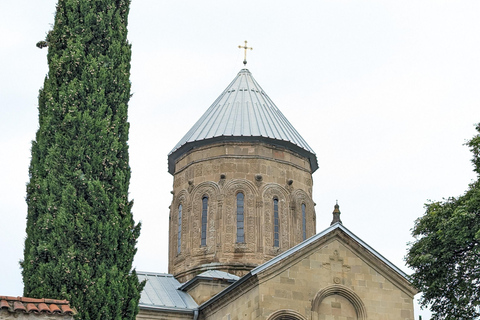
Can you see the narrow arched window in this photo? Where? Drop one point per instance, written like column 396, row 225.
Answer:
column 179, row 233
column 276, row 224
column 240, row 218
column 204, row 220
column 304, row 222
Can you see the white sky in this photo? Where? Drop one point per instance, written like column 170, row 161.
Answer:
column 385, row 92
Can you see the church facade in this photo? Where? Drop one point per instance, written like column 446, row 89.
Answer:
column 242, row 238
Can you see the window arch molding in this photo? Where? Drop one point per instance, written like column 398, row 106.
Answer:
column 235, row 186
column 342, row 291
column 270, row 192
column 202, row 230
column 286, row 314
column 273, row 189
column 181, row 198
column 178, row 225
column 230, row 190
column 205, row 189
column 179, row 228
column 299, row 196
column 298, row 199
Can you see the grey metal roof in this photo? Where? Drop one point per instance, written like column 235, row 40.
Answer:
column 217, row 274
column 243, row 111
column 161, row 292
column 209, row 276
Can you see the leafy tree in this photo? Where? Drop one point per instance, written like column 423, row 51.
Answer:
column 445, row 255
column 81, row 235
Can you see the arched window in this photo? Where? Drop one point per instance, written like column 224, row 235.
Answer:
column 179, row 234
column 276, row 224
column 204, row 221
column 240, row 218
column 304, row 222
column 351, row 306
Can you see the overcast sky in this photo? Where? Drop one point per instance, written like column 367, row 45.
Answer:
column 385, row 92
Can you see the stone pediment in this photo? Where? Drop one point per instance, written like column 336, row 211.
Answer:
column 335, row 261
column 333, row 273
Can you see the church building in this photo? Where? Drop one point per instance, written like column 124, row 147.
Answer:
column 242, row 237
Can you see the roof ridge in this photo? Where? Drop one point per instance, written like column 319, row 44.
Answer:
column 154, row 273
column 306, row 242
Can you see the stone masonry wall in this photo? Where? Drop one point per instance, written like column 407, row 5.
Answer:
column 219, row 172
column 327, row 278
column 331, row 283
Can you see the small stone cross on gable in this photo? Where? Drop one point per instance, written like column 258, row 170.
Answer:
column 336, row 263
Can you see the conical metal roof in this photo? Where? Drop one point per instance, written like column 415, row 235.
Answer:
column 243, row 112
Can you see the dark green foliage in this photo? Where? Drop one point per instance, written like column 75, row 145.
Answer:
column 81, row 235
column 42, row 44
column 446, row 251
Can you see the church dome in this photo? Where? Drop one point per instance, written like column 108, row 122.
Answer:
column 243, row 113
column 242, row 185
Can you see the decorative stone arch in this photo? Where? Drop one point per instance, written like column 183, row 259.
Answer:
column 232, row 186
column 344, row 292
column 297, row 198
column 230, row 191
column 269, row 192
column 286, row 315
column 181, row 197
column 210, row 190
column 209, row 187
column 274, row 189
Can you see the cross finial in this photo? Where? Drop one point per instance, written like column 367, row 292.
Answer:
column 336, row 214
column 245, row 56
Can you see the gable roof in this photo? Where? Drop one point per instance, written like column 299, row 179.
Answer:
column 36, row 306
column 278, row 260
column 243, row 112
column 314, row 238
column 161, row 293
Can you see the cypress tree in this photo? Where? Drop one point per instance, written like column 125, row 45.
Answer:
column 81, row 235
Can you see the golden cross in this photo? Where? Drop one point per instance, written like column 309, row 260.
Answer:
column 245, row 56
